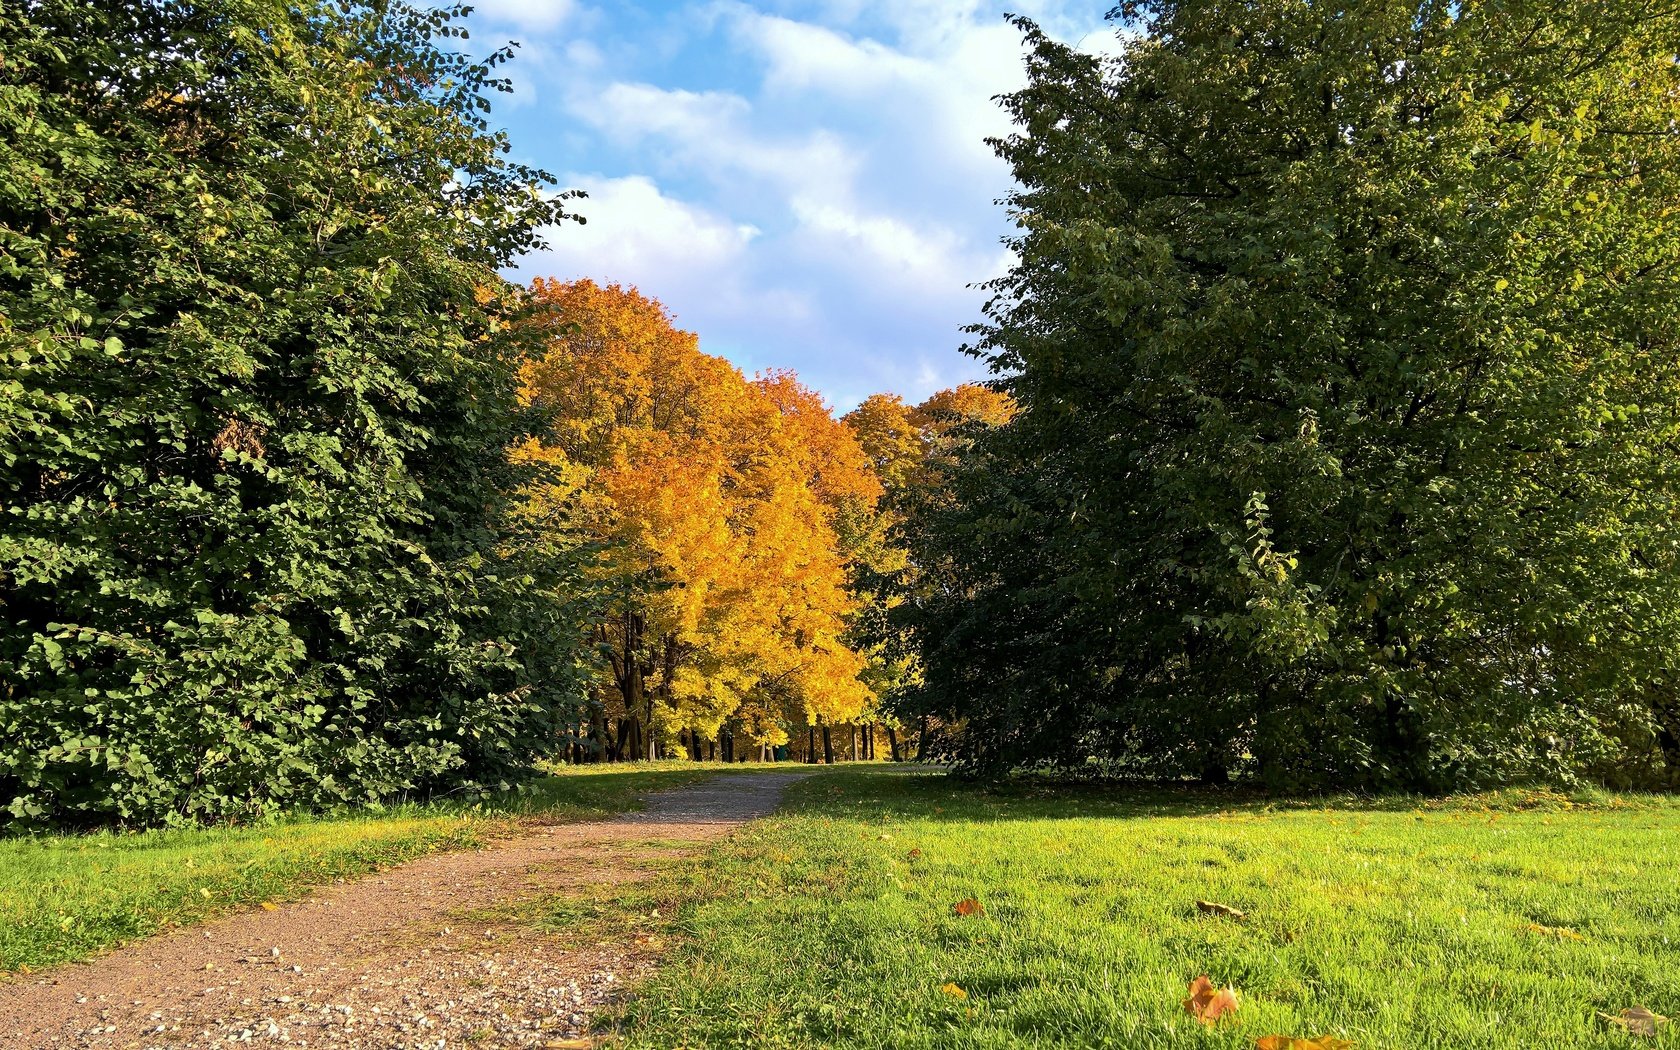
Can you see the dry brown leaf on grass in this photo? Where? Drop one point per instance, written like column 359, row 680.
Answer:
column 915, row 853
column 1222, row 910
column 1635, row 1020
column 1562, row 933
column 1290, row 1042
column 968, row 906
column 1208, row 1004
column 586, row 1042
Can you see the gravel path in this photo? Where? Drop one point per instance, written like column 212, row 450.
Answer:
column 387, row 961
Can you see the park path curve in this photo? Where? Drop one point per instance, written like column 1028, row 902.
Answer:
column 385, row 961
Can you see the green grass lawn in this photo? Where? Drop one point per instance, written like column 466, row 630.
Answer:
column 1508, row 921
column 65, row 897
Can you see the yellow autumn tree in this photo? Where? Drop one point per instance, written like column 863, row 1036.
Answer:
column 715, row 502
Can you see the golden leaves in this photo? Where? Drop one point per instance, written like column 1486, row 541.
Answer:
column 1221, row 910
column 1208, row 1004
column 954, row 990
column 968, row 906
column 722, row 493
column 1562, row 933
column 1289, row 1042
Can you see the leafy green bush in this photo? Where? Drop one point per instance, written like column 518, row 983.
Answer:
column 256, row 386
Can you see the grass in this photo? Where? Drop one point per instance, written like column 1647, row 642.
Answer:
column 1503, row 921
column 66, row 897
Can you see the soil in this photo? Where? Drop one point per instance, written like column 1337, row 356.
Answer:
column 395, row 959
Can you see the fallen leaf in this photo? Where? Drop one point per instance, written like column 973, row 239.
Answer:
column 1223, row 910
column 1289, row 1042
column 202, row 892
column 580, row 1043
column 915, row 853
column 1207, row 1003
column 954, row 990
column 1636, row 1020
column 1562, row 933
column 269, row 906
column 968, row 906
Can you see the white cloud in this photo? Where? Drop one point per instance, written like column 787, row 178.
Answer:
column 810, row 190
column 636, row 234
column 891, row 248
column 694, row 259
column 712, row 133
column 531, row 15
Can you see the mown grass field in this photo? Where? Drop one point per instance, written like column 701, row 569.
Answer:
column 1507, row 922
column 65, row 897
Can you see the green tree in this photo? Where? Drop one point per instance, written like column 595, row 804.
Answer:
column 255, row 393
column 1344, row 341
column 902, row 567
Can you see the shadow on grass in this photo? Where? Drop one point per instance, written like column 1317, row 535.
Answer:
column 941, row 797
column 597, row 791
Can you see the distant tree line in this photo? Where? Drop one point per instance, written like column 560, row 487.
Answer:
column 749, row 545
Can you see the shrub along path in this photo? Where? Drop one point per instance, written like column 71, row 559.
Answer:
column 422, row 955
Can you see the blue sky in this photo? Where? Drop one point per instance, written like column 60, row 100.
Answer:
column 804, row 184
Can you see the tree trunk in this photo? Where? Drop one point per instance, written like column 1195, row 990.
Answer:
column 635, row 736
column 892, row 743
column 1667, row 717
column 922, row 743
column 811, row 746
column 599, row 745
column 828, row 745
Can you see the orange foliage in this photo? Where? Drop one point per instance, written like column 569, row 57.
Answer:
column 716, row 499
column 826, row 450
column 1208, row 1004
column 963, row 403
column 890, row 438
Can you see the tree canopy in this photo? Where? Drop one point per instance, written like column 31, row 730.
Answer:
column 719, row 503
column 1343, row 341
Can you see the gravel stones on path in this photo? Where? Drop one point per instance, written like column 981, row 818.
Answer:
column 388, row 961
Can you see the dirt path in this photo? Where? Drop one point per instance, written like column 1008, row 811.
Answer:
column 387, row 961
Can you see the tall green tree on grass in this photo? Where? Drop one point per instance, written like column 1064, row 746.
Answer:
column 1344, row 337
column 255, row 394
